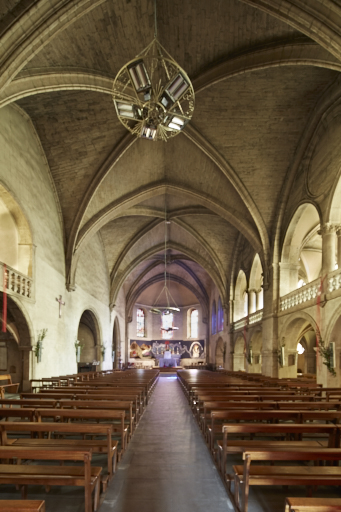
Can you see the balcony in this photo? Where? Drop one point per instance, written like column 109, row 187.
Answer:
column 248, row 320
column 18, row 284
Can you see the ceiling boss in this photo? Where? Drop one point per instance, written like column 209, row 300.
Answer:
column 153, row 96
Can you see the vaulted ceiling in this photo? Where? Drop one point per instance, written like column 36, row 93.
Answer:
column 260, row 69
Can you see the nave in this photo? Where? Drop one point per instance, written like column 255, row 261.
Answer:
column 167, row 467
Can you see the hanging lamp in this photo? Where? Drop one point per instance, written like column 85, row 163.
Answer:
column 153, row 95
column 171, row 305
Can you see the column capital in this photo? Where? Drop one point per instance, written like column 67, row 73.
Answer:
column 338, row 230
column 328, row 229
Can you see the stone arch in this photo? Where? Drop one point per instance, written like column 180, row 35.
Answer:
column 301, row 258
column 89, row 335
column 116, row 344
column 239, row 354
column 255, row 285
column 256, row 343
column 17, row 342
column 16, row 249
column 220, row 352
column 298, row 327
column 240, row 296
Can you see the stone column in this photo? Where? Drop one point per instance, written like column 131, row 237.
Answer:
column 259, row 304
column 328, row 248
column 252, row 301
column 338, row 234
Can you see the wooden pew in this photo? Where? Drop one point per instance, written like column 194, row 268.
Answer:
column 55, row 398
column 287, row 429
column 27, row 414
column 7, row 385
column 116, row 418
column 312, row 505
column 126, row 406
column 22, row 505
column 106, row 445
column 24, row 475
column 284, row 475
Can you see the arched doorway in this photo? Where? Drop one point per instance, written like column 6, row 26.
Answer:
column 219, row 353
column 239, row 356
column 116, row 345
column 256, row 343
column 15, row 345
column 89, row 337
column 298, row 330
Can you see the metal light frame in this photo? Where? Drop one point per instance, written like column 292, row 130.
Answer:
column 153, row 96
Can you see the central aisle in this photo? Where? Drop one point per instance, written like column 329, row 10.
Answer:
column 167, row 467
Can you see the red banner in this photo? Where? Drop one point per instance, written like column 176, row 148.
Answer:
column 4, row 306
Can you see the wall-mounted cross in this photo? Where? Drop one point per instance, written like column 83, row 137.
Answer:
column 61, row 303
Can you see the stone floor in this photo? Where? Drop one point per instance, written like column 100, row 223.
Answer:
column 167, row 468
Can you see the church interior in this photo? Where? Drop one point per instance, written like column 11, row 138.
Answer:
column 170, row 246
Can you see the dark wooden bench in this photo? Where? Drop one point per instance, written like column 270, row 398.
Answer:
column 285, row 430
column 218, row 418
column 247, row 475
column 27, row 414
column 116, row 418
column 47, row 475
column 312, row 505
column 22, row 505
column 6, row 384
column 61, row 430
column 126, row 406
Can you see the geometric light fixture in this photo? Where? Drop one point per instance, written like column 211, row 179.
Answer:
column 153, row 96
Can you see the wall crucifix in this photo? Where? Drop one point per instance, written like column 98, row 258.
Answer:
column 61, row 303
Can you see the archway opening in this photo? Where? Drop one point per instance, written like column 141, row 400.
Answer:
column 240, row 297
column 256, row 344
column 299, row 331
column 89, row 337
column 15, row 345
column 239, row 355
column 15, row 235
column 116, row 345
column 219, row 353
column 301, row 259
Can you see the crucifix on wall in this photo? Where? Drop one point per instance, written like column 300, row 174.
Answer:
column 61, row 303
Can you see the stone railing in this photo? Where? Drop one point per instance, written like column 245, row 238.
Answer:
column 334, row 280
column 248, row 320
column 16, row 283
column 256, row 317
column 299, row 296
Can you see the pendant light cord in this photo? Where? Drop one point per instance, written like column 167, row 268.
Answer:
column 155, row 21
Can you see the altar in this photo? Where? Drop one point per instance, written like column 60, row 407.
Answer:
column 168, row 359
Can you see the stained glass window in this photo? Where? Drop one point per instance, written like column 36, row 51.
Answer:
column 214, row 318
column 194, row 323
column 140, row 323
column 220, row 316
column 167, row 323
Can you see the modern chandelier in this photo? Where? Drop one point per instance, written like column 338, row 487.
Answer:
column 153, row 96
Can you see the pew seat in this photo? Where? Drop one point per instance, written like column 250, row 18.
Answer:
column 22, row 505
column 247, row 475
column 23, row 475
column 312, row 505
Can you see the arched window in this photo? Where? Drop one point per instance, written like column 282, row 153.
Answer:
column 194, row 323
column 220, row 316
column 140, row 323
column 167, row 323
column 214, row 318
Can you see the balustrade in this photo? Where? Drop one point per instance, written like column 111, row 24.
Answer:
column 16, row 283
column 248, row 320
